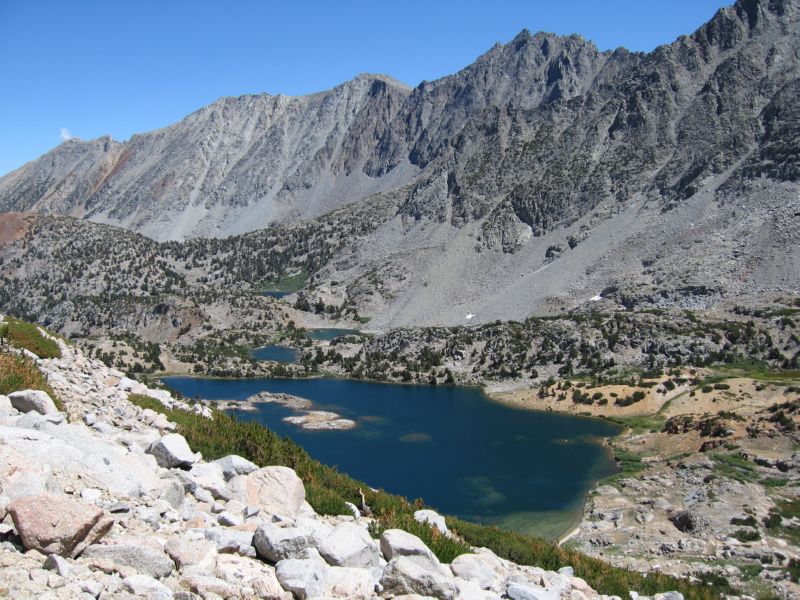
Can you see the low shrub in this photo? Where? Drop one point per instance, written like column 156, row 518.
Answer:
column 637, row 396
column 26, row 335
column 21, row 373
column 747, row 535
column 734, row 467
column 525, row 550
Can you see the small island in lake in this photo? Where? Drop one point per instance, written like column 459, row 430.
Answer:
column 312, row 420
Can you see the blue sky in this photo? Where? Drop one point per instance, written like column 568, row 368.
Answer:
column 89, row 68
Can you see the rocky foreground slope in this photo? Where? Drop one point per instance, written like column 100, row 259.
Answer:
column 102, row 500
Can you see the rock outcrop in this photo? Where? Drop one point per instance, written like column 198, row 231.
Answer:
column 172, row 451
column 36, row 400
column 274, row 490
column 53, row 524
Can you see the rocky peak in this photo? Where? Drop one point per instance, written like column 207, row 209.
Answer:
column 754, row 11
column 243, row 163
column 375, row 78
column 732, row 25
column 526, row 73
column 532, row 69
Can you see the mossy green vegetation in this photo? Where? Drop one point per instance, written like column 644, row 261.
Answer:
column 287, row 282
column 629, row 464
column 780, row 518
column 21, row 373
column 641, row 423
column 735, row 467
column 774, row 482
column 327, row 490
column 23, row 335
column 758, row 370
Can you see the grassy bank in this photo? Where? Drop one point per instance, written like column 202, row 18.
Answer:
column 26, row 336
column 20, row 372
column 287, row 283
column 328, row 490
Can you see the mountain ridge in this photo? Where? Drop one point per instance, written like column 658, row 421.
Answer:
column 526, row 183
column 242, row 162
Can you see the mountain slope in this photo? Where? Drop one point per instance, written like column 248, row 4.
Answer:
column 538, row 130
column 235, row 165
column 530, row 181
column 672, row 179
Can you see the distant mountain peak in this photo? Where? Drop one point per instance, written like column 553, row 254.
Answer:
column 370, row 77
column 539, row 126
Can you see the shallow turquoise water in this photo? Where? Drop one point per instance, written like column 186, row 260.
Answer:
column 462, row 453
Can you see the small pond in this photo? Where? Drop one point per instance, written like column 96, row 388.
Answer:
column 327, row 334
column 273, row 352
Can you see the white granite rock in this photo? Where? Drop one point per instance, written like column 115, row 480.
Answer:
column 396, row 542
column 33, row 400
column 432, row 518
column 275, row 543
column 6, row 409
column 199, row 553
column 485, row 570
column 274, row 490
column 233, row 465
column 306, row 578
column 172, row 451
column 144, row 559
column 404, row 575
column 146, row 587
column 350, row 545
column 527, row 591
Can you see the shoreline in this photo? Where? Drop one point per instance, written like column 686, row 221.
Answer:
column 611, row 414
column 501, row 397
column 569, row 535
column 615, row 419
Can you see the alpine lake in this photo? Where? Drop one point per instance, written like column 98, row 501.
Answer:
column 464, row 454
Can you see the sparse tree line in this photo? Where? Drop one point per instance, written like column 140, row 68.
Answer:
column 601, row 345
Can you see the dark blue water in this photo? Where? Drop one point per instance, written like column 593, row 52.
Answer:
column 327, row 334
column 275, row 294
column 275, row 353
column 465, row 455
